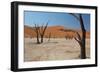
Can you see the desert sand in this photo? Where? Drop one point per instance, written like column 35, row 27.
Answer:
column 55, row 31
column 55, row 49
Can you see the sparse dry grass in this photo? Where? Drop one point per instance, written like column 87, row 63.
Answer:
column 55, row 49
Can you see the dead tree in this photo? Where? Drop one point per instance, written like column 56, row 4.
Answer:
column 42, row 31
column 49, row 37
column 81, row 40
column 83, row 49
column 66, row 37
column 36, row 29
column 78, row 38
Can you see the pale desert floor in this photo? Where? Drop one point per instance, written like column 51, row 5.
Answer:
column 55, row 49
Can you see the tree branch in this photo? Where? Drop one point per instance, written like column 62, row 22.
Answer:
column 75, row 16
column 78, row 35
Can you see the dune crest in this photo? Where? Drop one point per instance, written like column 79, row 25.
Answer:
column 54, row 31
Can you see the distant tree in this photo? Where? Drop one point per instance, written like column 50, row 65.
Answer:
column 66, row 37
column 49, row 36
column 42, row 31
column 79, row 39
column 36, row 29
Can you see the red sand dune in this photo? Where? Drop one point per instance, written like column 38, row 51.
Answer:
column 54, row 31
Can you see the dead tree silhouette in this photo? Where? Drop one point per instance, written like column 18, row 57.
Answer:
column 66, row 37
column 36, row 29
column 49, row 37
column 79, row 39
column 42, row 31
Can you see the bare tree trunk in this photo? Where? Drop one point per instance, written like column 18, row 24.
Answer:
column 66, row 37
column 42, row 32
column 49, row 37
column 37, row 33
column 81, row 40
column 38, row 42
column 83, row 48
column 42, row 38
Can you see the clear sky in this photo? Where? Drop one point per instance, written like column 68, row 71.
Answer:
column 55, row 19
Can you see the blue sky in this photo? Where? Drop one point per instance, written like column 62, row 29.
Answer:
column 55, row 19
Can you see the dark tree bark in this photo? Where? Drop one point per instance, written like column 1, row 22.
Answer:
column 83, row 49
column 49, row 37
column 79, row 39
column 37, row 33
column 42, row 31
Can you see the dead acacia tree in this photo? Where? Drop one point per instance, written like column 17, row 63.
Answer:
column 66, row 37
column 36, row 29
column 42, row 31
column 79, row 39
column 49, row 37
